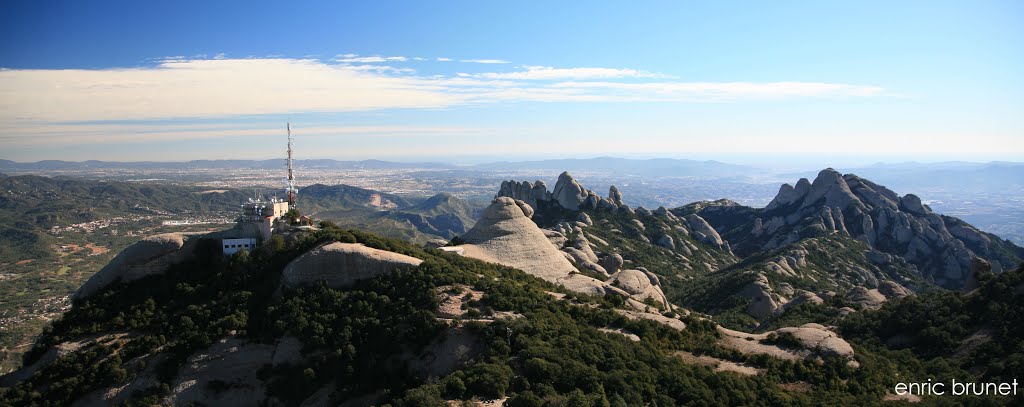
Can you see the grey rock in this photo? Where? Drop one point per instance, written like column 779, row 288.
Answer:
column 569, row 193
column 150, row 256
column 525, row 191
column 866, row 298
column 340, row 265
column 667, row 242
column 583, row 217
column 615, row 196
column 911, row 203
column 892, row 290
column 612, row 263
column 830, row 186
column 703, row 231
column 435, row 243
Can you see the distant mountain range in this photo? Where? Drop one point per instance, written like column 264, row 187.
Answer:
column 951, row 175
column 643, row 167
column 965, row 174
column 654, row 167
column 59, row 165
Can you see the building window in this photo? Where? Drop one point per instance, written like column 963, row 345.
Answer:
column 226, row 246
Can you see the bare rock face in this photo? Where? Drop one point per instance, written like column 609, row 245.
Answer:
column 911, row 203
column 569, row 193
column 505, row 235
column 667, row 242
column 525, row 191
column 802, row 298
column 639, row 286
column 866, row 298
column 342, row 264
column 633, row 281
column 583, row 217
column 612, row 263
column 703, row 231
column 556, row 238
column 762, row 303
column 615, row 196
column 892, row 290
column 830, row 186
column 819, row 339
column 233, row 361
column 789, row 195
column 583, row 260
column 899, row 229
column 150, row 256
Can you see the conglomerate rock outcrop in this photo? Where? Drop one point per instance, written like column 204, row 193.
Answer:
column 149, row 256
column 340, row 265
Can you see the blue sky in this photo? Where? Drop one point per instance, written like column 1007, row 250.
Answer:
column 431, row 80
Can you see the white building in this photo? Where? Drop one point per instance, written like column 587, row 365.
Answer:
column 232, row 246
column 257, row 223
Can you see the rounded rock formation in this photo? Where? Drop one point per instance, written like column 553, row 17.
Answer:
column 340, row 265
column 505, row 235
column 150, row 256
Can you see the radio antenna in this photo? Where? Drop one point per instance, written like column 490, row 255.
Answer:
column 291, row 192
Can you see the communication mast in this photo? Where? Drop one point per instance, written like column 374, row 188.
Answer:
column 291, row 191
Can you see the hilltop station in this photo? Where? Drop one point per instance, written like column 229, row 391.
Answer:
column 262, row 218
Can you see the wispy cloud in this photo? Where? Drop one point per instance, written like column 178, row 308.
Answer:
column 352, row 58
column 485, row 61
column 697, row 91
column 202, row 88
column 378, row 68
column 442, row 59
column 66, row 134
column 550, row 73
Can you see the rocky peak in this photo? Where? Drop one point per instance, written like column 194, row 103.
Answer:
column 615, row 196
column 525, row 191
column 832, row 187
column 789, row 195
column 504, row 208
column 941, row 247
column 569, row 193
column 912, row 203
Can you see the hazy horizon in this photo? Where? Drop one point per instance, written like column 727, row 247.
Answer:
column 779, row 162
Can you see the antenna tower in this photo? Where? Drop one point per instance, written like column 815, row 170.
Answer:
column 291, row 192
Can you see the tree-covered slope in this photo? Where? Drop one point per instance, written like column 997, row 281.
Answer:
column 145, row 342
column 981, row 331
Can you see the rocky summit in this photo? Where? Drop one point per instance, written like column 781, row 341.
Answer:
column 944, row 249
column 567, row 194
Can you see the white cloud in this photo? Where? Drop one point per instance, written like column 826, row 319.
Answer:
column 549, row 73
column 484, row 61
column 352, row 58
column 233, row 87
column 206, row 88
column 378, row 68
column 726, row 90
column 72, row 134
column 441, row 59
